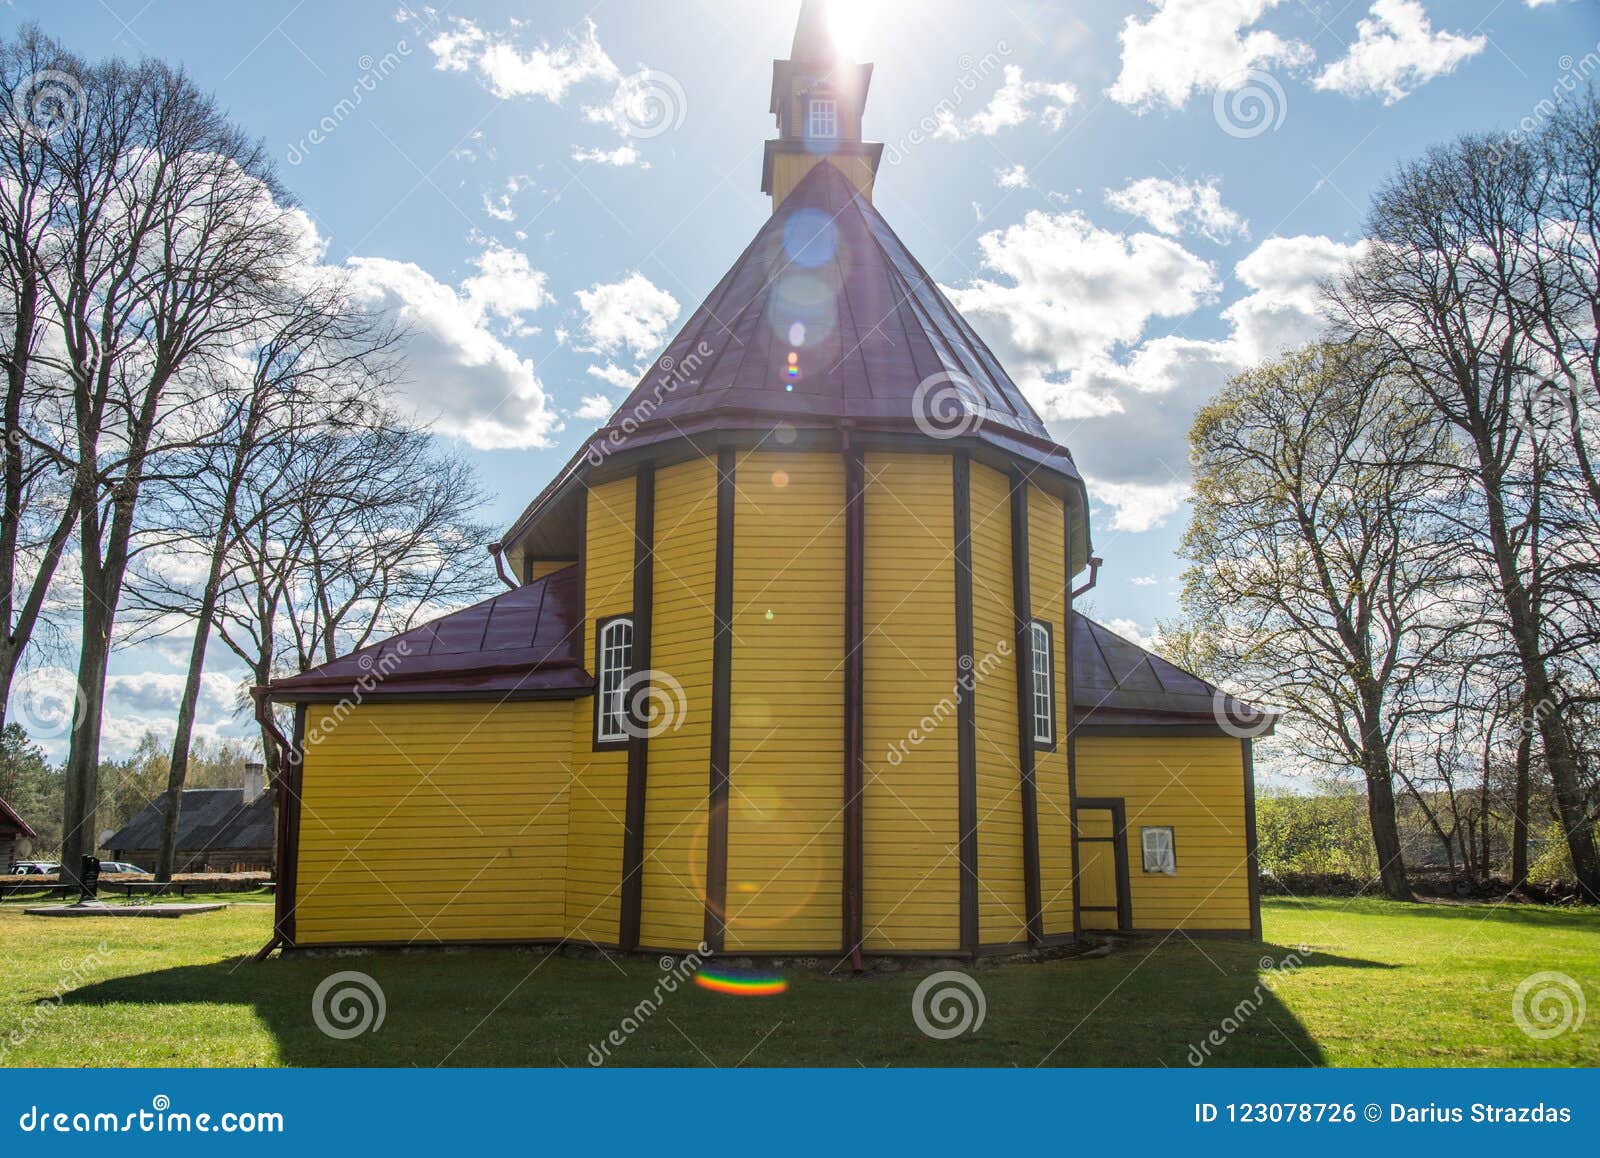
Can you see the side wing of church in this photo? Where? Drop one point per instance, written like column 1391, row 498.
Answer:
column 788, row 662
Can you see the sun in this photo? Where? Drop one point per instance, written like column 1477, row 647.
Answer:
column 848, row 22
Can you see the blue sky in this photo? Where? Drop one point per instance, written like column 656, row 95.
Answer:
column 1131, row 200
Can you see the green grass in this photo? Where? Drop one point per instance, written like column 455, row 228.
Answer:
column 1382, row 984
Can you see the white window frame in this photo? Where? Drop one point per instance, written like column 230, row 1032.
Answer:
column 1041, row 667
column 614, row 659
column 822, row 111
column 1165, row 859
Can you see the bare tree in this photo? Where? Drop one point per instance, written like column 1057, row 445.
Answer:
column 170, row 228
column 315, row 363
column 39, row 506
column 343, row 536
column 1443, row 296
column 1315, row 560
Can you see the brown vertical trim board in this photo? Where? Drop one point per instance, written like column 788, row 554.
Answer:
column 721, row 694
column 644, row 532
column 293, row 782
column 1022, row 613
column 1070, row 714
column 1253, row 864
column 854, row 691
column 966, row 714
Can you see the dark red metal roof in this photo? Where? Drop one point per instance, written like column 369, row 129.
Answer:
column 1117, row 682
column 876, row 344
column 524, row 644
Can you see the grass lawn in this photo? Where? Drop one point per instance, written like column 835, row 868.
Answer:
column 1382, row 984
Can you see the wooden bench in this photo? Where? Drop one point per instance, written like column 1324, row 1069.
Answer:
column 16, row 889
column 150, row 888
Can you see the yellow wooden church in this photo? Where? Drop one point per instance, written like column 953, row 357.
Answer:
column 788, row 661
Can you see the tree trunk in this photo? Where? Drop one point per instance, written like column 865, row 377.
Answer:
column 79, row 835
column 1519, row 809
column 1385, row 831
column 178, row 771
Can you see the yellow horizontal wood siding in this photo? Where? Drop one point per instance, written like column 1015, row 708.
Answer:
column 910, row 893
column 543, row 567
column 594, row 854
column 1002, row 899
column 1048, row 592
column 678, row 783
column 433, row 822
column 785, row 826
column 1195, row 785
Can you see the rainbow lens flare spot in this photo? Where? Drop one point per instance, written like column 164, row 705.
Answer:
column 742, row 984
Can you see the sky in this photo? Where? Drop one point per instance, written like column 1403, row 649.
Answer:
column 1131, row 200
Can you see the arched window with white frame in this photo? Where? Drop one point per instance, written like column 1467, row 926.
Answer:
column 613, row 664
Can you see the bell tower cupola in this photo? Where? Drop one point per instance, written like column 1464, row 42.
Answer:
column 818, row 96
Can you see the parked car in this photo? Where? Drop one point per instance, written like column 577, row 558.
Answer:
column 34, row 868
column 122, row 866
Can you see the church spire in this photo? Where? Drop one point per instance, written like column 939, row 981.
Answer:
column 818, row 97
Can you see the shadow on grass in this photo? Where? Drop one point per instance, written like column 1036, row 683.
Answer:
column 1176, row 1003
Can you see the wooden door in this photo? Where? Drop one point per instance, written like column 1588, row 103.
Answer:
column 1103, row 901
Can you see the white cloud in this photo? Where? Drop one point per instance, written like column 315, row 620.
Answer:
column 500, row 207
column 1015, row 177
column 1015, row 102
column 1178, row 207
column 1068, row 292
column 546, row 71
column 622, row 156
column 1396, row 52
column 595, row 408
column 1189, row 46
column 462, row 375
column 632, row 315
column 1144, row 580
column 1069, row 309
column 1132, row 631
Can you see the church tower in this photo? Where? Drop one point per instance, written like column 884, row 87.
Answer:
column 818, row 96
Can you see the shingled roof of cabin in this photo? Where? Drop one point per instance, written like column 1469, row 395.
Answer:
column 520, row 644
column 827, row 269
column 209, row 819
column 524, row 644
column 13, row 825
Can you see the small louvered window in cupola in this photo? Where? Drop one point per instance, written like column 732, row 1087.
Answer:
column 822, row 118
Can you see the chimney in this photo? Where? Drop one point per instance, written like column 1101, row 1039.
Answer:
column 255, row 781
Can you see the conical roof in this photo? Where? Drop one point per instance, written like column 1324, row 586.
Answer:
column 872, row 339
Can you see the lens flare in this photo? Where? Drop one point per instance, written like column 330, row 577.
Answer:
column 741, row 985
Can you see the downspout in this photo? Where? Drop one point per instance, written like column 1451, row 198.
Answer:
column 1094, row 576
column 495, row 550
column 264, row 717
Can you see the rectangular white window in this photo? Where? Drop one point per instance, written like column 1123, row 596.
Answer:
column 1044, row 721
column 616, row 658
column 1160, row 856
column 822, row 117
